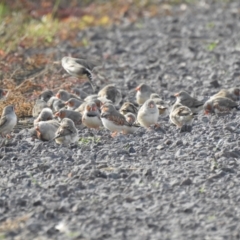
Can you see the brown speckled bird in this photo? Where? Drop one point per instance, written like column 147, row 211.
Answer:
column 232, row 93
column 112, row 119
column 128, row 107
column 181, row 116
column 66, row 133
column 219, row 105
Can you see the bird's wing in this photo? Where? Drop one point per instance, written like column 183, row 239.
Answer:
column 194, row 103
column 116, row 118
column 3, row 122
column 183, row 111
column 86, row 63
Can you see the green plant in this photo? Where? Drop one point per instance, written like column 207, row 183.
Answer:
column 211, row 46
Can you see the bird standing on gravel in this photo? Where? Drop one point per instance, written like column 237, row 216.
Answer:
column 3, row 94
column 232, row 93
column 182, row 117
column 128, row 107
column 185, row 99
column 45, row 115
column 131, row 118
column 73, row 103
column 45, row 130
column 65, row 95
column 8, row 121
column 75, row 116
column 144, row 92
column 112, row 119
column 38, row 107
column 91, row 116
column 219, row 105
column 148, row 114
column 77, row 67
column 66, row 133
column 112, row 93
column 45, row 95
column 80, row 93
column 162, row 107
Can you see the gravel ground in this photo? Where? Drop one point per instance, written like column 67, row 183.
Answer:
column 153, row 184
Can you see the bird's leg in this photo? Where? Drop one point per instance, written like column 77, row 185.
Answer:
column 157, row 125
column 8, row 136
column 114, row 134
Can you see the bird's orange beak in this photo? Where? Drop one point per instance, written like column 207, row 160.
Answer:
column 176, row 94
column 66, row 103
column 58, row 95
column 137, row 89
column 57, row 114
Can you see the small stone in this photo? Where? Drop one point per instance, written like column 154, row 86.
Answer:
column 131, row 150
column 160, row 147
column 186, row 182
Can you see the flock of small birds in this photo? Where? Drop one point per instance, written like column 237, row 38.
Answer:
column 57, row 116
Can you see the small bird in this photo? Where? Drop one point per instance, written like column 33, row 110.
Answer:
column 8, row 121
column 3, row 94
column 80, row 93
column 91, row 116
column 162, row 107
column 75, row 116
column 112, row 93
column 73, row 103
column 46, row 95
column 148, row 114
column 144, row 92
column 131, row 118
column 91, row 97
column 65, row 95
column 45, row 130
column 185, row 99
column 128, row 107
column 77, row 67
column 66, row 133
column 232, row 93
column 154, row 95
column 103, row 100
column 112, row 119
column 219, row 105
column 55, row 104
column 81, row 108
column 182, row 117
column 38, row 107
column 45, row 115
